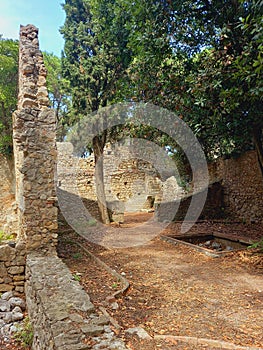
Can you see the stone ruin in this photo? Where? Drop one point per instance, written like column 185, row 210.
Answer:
column 59, row 309
column 131, row 184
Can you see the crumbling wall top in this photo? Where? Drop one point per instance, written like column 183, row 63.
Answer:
column 32, row 74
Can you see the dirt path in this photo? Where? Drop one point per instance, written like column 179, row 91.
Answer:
column 177, row 291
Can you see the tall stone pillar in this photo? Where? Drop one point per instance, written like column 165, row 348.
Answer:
column 34, row 128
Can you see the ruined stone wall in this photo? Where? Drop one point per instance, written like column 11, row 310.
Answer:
column 132, row 181
column 176, row 210
column 62, row 314
column 235, row 192
column 12, row 268
column 34, row 128
column 8, row 218
column 35, row 159
column 242, row 183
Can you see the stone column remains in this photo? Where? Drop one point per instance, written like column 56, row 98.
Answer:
column 34, row 129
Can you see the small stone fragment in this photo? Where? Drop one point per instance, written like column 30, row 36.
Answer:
column 140, row 332
column 17, row 316
column 15, row 301
column 92, row 329
column 115, row 306
column 4, row 306
column 7, row 317
column 7, row 295
column 17, row 309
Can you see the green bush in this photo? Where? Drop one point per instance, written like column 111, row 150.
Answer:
column 5, row 237
column 24, row 334
column 257, row 245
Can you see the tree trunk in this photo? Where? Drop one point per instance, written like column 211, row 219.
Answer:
column 98, row 146
column 257, row 139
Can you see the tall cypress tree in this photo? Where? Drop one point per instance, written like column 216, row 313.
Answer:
column 95, row 60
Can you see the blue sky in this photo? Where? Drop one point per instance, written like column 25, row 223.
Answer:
column 47, row 15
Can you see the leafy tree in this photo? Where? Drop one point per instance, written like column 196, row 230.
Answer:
column 59, row 92
column 225, row 90
column 211, row 71
column 95, row 60
column 8, row 91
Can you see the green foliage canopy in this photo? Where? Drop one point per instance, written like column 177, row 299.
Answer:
column 8, row 91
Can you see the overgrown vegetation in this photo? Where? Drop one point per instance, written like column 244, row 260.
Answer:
column 199, row 59
column 8, row 91
column 202, row 60
column 257, row 245
column 5, row 236
column 24, row 334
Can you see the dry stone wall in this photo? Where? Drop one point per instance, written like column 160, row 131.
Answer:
column 242, row 184
column 61, row 311
column 34, row 128
column 235, row 192
column 129, row 180
column 176, row 210
column 8, row 218
column 12, row 267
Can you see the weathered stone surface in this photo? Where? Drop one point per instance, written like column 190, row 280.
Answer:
column 16, row 270
column 14, row 301
column 3, row 270
column 60, row 310
column 92, row 329
column 8, row 220
column 4, row 305
column 241, row 179
column 19, row 278
column 7, row 253
column 7, row 295
column 140, row 332
column 129, row 182
column 17, row 316
column 6, row 287
column 34, row 127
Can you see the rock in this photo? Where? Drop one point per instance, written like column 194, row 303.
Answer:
column 140, row 332
column 17, row 316
column 102, row 320
column 7, row 317
column 92, row 329
column 207, row 243
column 6, row 287
column 6, row 330
column 117, row 345
column 4, row 306
column 13, row 329
column 7, row 253
column 228, row 248
column 76, row 318
column 114, row 306
column 17, row 309
column 16, row 270
column 7, row 295
column 216, row 245
column 19, row 289
column 12, row 244
column 15, row 301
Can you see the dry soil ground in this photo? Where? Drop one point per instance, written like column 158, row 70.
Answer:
column 175, row 290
